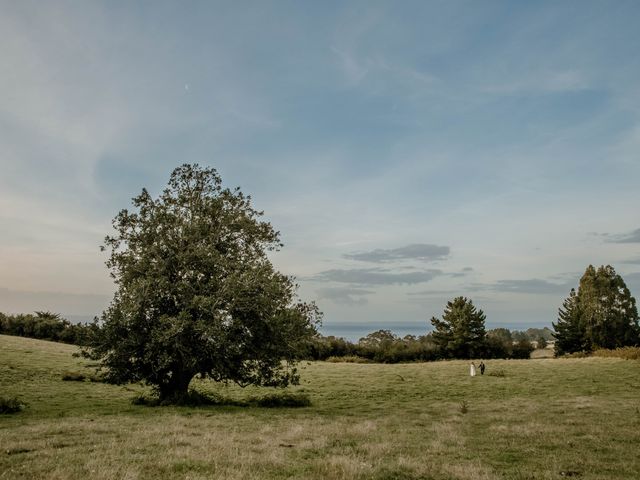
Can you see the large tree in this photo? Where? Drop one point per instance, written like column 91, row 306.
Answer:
column 569, row 329
column 461, row 332
column 196, row 292
column 601, row 314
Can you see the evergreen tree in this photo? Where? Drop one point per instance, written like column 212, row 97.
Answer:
column 461, row 332
column 609, row 311
column 569, row 331
column 602, row 314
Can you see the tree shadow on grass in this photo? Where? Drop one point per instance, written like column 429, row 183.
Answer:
column 194, row 398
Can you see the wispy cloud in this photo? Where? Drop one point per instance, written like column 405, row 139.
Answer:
column 376, row 276
column 419, row 251
column 549, row 82
column 432, row 293
column 345, row 295
column 531, row 286
column 631, row 237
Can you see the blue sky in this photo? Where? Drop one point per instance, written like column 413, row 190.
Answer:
column 408, row 152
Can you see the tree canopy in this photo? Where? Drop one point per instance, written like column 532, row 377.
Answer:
column 601, row 314
column 196, row 292
column 461, row 332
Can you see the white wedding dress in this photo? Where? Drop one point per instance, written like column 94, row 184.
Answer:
column 473, row 370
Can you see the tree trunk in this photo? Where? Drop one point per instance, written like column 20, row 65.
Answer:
column 176, row 388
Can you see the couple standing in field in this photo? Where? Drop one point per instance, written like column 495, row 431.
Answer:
column 473, row 368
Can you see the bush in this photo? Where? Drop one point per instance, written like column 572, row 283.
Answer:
column 10, row 405
column 73, row 377
column 628, row 353
column 348, row 359
column 191, row 399
column 497, row 373
column 321, row 348
column 522, row 349
column 144, row 400
column 81, row 377
column 46, row 326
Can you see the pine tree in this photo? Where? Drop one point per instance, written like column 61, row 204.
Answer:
column 461, row 332
column 601, row 314
column 569, row 332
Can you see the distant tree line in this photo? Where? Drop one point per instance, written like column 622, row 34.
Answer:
column 381, row 346
column 459, row 334
column 46, row 326
column 385, row 347
column 600, row 314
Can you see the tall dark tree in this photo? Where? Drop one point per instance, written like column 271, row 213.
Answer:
column 609, row 311
column 196, row 292
column 601, row 314
column 569, row 333
column 461, row 332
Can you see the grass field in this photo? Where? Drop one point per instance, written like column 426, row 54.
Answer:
column 536, row 419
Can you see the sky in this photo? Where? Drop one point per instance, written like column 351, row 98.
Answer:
column 407, row 152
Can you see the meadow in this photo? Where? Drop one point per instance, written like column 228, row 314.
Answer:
column 524, row 419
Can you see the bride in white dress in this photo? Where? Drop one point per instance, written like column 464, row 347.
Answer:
column 472, row 369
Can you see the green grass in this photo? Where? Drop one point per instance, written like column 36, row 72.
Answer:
column 543, row 419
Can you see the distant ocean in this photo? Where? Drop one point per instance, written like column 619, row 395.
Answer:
column 355, row 331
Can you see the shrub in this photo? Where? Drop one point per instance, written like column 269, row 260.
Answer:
column 144, row 400
column 81, row 377
column 348, row 359
column 522, row 349
column 46, row 326
column 628, row 353
column 497, row 373
column 192, row 398
column 10, row 405
column 73, row 377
